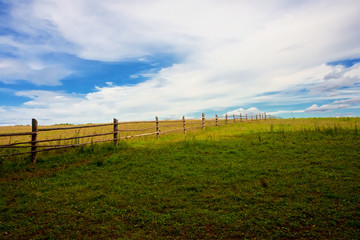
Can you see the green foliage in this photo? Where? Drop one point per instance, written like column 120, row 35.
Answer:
column 275, row 179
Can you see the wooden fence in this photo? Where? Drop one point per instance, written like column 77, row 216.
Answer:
column 118, row 131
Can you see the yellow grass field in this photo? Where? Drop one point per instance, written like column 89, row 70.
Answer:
column 134, row 131
column 125, row 129
column 164, row 126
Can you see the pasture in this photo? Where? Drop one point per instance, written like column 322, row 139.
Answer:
column 20, row 140
column 273, row 179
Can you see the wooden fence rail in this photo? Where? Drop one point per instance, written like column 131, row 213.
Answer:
column 161, row 127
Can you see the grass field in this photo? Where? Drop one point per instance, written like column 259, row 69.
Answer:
column 274, row 179
column 62, row 134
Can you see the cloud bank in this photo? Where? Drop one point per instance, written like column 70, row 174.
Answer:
column 229, row 54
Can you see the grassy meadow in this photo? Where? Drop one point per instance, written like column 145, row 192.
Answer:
column 273, row 179
column 126, row 129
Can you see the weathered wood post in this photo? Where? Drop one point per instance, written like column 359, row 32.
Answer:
column 246, row 118
column 226, row 118
column 265, row 115
column 34, row 130
column 256, row 117
column 184, row 126
column 157, row 127
column 216, row 120
column 116, row 131
column 240, row 118
column 234, row 118
column 203, row 121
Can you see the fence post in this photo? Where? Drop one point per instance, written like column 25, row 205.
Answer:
column 116, row 131
column 34, row 130
column 234, row 118
column 246, row 118
column 265, row 115
column 157, row 127
column 216, row 120
column 184, row 126
column 203, row 121
column 256, row 117
column 240, row 118
column 226, row 118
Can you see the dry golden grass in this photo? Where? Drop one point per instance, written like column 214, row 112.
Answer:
column 63, row 136
column 77, row 136
column 123, row 127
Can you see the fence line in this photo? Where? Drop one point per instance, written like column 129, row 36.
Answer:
column 158, row 129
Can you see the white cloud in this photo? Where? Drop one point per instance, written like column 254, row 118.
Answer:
column 12, row 70
column 249, row 111
column 44, row 98
column 229, row 51
column 339, row 77
column 168, row 98
column 339, row 104
column 26, row 64
column 285, row 111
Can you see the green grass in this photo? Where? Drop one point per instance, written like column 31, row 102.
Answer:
column 278, row 179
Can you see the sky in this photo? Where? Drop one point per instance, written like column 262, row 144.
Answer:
column 89, row 61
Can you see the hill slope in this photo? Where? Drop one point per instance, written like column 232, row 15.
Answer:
column 267, row 179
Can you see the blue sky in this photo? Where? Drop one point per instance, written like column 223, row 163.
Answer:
column 89, row 61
